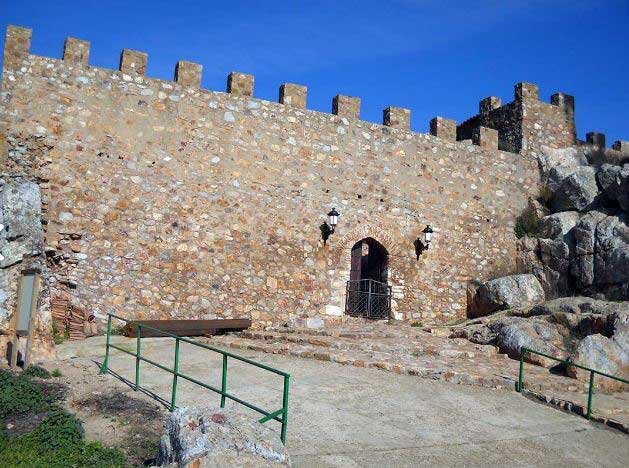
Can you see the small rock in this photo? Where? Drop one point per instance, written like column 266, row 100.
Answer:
column 210, row 437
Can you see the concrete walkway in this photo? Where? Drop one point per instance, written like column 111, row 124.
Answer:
column 347, row 416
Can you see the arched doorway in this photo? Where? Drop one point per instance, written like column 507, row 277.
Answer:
column 367, row 293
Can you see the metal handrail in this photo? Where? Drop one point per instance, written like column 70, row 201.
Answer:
column 569, row 363
column 274, row 415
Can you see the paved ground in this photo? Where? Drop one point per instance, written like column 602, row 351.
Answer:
column 348, row 416
column 403, row 349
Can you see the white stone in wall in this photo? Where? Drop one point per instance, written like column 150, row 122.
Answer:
column 333, row 310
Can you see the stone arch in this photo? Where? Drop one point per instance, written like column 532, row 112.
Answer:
column 363, row 231
column 344, row 245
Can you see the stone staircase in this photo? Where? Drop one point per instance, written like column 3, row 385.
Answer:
column 402, row 349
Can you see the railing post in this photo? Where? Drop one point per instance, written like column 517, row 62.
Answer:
column 103, row 367
column 137, row 358
column 224, row 383
column 173, row 400
column 521, row 376
column 285, row 409
column 590, row 392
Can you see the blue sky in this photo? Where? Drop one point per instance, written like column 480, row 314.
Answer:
column 434, row 57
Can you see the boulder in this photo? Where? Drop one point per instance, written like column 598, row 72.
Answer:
column 601, row 256
column 602, row 354
column 211, row 437
column 549, row 261
column 578, row 305
column 558, row 225
column 537, row 335
column 579, row 317
column 20, row 213
column 505, row 293
column 614, row 180
column 477, row 333
column 573, row 189
column 563, row 157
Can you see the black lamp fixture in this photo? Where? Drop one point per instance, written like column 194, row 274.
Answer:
column 328, row 229
column 421, row 246
column 333, row 217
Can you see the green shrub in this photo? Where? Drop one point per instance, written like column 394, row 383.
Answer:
column 18, row 395
column 527, row 224
column 545, row 194
column 36, row 371
column 56, row 373
column 417, row 324
column 57, row 336
column 56, row 442
column 117, row 331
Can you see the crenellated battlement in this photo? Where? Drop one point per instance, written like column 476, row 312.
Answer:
column 189, row 74
column 522, row 125
column 526, row 123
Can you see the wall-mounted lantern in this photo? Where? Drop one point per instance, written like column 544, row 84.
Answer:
column 328, row 229
column 333, row 216
column 421, row 246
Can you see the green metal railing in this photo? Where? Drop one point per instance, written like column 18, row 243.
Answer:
column 281, row 415
column 524, row 350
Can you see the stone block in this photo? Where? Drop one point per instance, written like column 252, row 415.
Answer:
column 76, row 51
column 488, row 104
column 621, row 145
column 17, row 46
column 443, row 128
column 133, row 61
column 240, row 84
column 188, row 73
column 595, row 139
column 346, row 106
column 293, row 95
column 397, row 117
column 526, row 92
column 485, row 137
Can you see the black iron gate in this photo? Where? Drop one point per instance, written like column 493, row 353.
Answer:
column 368, row 298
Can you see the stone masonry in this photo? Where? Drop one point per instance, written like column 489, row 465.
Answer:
column 171, row 201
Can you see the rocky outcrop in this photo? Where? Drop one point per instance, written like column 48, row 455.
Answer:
column 558, row 225
column 583, row 246
column 588, row 331
column 505, row 293
column 603, row 354
column 20, row 214
column 211, row 437
column 21, row 237
column 580, row 248
column 601, row 255
column 573, row 189
column 540, row 335
column 614, row 180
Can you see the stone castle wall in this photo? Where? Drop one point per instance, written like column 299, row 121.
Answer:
column 166, row 200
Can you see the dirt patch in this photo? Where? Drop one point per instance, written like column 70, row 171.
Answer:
column 24, row 423
column 119, row 404
column 118, row 419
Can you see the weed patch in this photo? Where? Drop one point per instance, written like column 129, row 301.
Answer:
column 46, row 434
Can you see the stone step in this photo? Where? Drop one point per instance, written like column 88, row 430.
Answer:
column 391, row 345
column 496, row 372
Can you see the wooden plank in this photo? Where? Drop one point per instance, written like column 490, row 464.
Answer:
column 187, row 327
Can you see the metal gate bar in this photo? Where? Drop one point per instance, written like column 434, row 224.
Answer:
column 368, row 298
